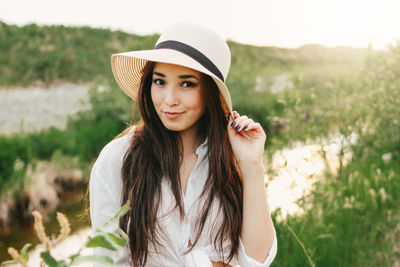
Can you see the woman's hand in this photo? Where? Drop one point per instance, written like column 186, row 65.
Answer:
column 247, row 139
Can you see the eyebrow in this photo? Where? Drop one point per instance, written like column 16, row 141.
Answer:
column 158, row 74
column 186, row 76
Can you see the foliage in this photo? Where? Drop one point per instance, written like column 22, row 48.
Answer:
column 87, row 132
column 44, row 54
column 92, row 129
column 99, row 238
column 15, row 154
column 353, row 219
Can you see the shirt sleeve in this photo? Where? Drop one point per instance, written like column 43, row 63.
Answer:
column 247, row 261
column 242, row 259
column 105, row 188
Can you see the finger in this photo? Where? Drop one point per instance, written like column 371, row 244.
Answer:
column 253, row 126
column 244, row 125
column 241, row 119
column 231, row 119
column 236, row 124
column 236, row 114
column 240, row 125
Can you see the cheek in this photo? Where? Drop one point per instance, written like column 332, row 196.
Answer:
column 196, row 104
column 155, row 97
column 195, row 100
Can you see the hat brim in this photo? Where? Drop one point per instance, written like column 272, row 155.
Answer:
column 127, row 68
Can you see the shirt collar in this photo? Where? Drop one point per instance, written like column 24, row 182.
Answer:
column 203, row 147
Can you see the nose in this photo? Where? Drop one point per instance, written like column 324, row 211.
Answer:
column 171, row 96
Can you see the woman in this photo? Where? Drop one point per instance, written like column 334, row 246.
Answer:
column 192, row 168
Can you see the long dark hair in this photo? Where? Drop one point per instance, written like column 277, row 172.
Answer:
column 154, row 152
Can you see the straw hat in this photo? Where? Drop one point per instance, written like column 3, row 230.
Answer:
column 184, row 44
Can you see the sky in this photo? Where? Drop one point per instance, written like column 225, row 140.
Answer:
column 282, row 23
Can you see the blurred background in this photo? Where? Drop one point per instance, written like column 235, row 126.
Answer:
column 322, row 77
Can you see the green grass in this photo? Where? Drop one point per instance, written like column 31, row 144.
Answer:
column 354, row 219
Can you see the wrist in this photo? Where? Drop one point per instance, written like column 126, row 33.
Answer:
column 253, row 171
column 247, row 164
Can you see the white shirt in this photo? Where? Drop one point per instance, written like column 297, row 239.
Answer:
column 105, row 200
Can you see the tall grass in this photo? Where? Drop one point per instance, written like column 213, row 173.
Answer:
column 354, row 219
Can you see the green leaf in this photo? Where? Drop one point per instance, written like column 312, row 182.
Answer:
column 93, row 258
column 61, row 263
column 121, row 212
column 50, row 261
column 117, row 240
column 100, row 241
column 4, row 263
column 73, row 256
column 23, row 250
column 122, row 234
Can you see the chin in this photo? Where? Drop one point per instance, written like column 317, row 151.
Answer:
column 176, row 126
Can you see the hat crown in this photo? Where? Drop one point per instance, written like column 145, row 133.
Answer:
column 207, row 42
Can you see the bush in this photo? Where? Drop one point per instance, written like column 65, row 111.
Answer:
column 15, row 154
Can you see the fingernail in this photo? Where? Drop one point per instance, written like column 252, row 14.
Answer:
column 245, row 127
column 237, row 128
column 233, row 123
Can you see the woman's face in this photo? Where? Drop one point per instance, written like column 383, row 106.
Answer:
column 176, row 95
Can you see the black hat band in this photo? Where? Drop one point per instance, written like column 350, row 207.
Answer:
column 193, row 53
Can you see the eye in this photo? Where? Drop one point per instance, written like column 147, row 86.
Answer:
column 188, row 84
column 158, row 81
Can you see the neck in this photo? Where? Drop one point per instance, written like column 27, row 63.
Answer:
column 191, row 139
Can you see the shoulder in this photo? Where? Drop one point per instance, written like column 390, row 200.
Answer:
column 112, row 154
column 105, row 182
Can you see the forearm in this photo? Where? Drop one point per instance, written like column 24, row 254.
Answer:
column 257, row 227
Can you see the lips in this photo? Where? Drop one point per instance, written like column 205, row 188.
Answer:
column 173, row 115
